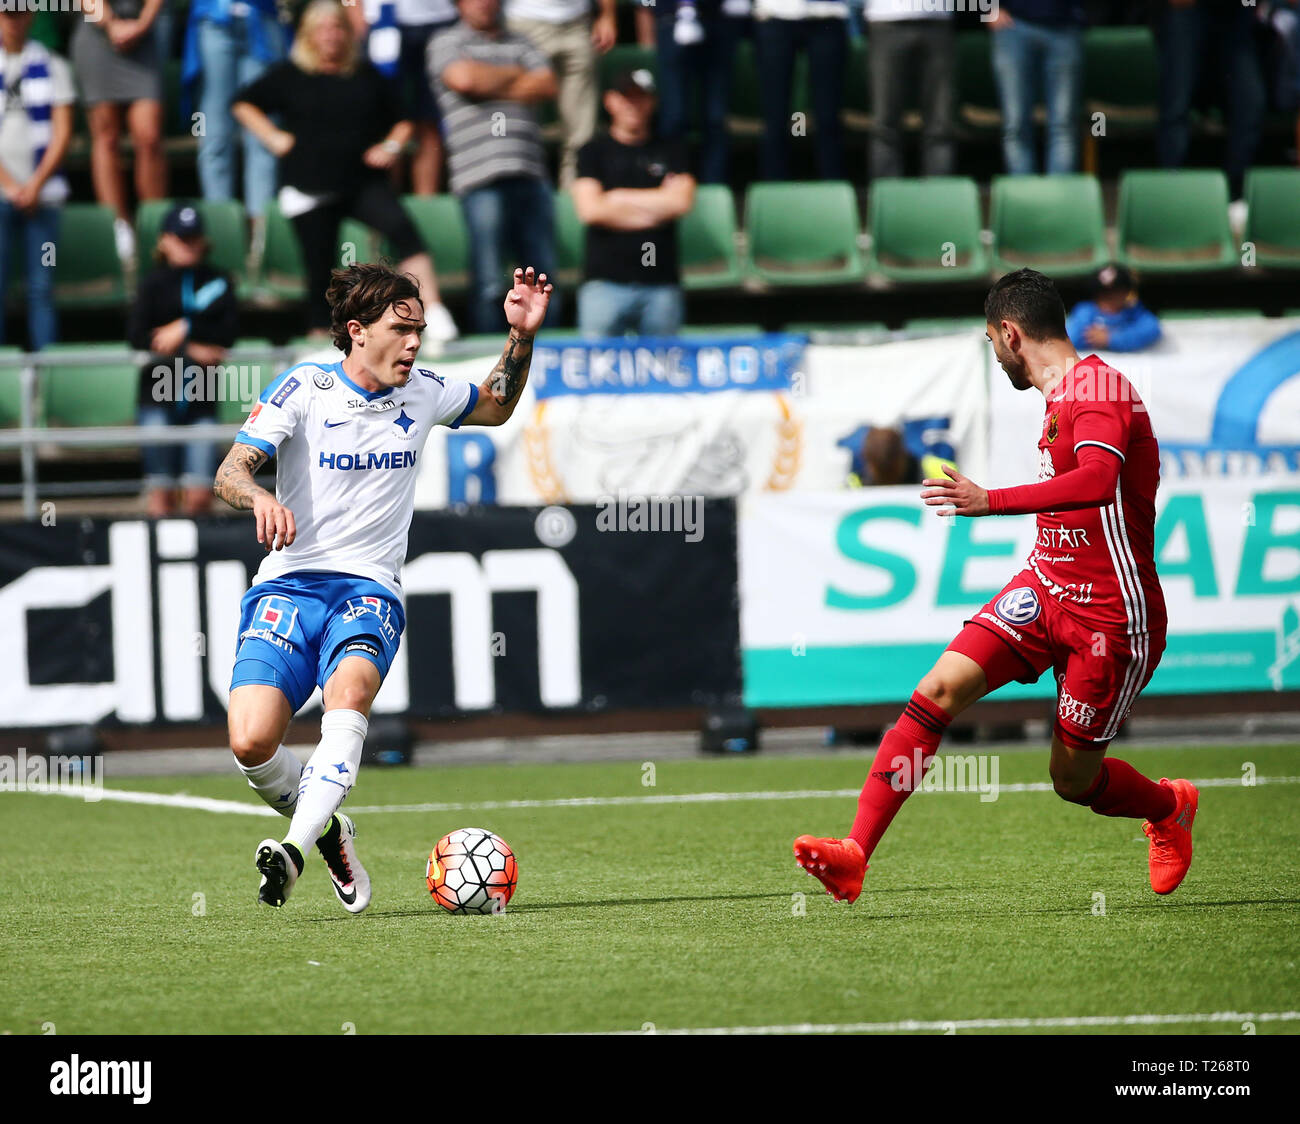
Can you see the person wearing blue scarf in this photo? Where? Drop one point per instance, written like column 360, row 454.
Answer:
column 228, row 44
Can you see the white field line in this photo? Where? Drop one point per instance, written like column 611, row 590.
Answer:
column 240, row 807
column 954, row 1025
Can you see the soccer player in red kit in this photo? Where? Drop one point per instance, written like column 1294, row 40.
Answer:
column 1088, row 604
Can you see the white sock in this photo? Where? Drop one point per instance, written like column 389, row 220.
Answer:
column 328, row 776
column 276, row 781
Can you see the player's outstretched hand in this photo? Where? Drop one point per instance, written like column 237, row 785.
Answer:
column 275, row 526
column 955, row 495
column 527, row 300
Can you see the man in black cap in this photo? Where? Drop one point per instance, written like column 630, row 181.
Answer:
column 1114, row 320
column 630, row 191
column 186, row 316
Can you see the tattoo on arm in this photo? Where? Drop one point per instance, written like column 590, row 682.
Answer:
column 511, row 372
column 234, row 482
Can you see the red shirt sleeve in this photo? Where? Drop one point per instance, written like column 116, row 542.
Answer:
column 1104, row 421
column 1090, row 485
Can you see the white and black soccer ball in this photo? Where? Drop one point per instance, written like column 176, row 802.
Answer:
column 471, row 870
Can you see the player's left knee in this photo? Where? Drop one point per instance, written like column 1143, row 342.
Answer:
column 355, row 687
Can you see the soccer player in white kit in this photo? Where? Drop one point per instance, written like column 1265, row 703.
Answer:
column 326, row 605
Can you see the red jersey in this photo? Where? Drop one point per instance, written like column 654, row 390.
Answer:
column 1094, row 551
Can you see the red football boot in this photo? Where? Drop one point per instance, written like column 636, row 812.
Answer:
column 1171, row 839
column 838, row 863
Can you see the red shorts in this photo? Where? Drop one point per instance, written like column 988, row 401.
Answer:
column 1099, row 670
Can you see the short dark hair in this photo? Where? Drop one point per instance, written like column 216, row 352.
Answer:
column 1030, row 301
column 365, row 292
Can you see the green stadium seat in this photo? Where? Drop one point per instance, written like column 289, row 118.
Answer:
column 1120, row 72
column 570, row 242
column 697, row 331
column 809, row 326
column 937, row 324
column 11, row 388
column 803, row 233
column 79, row 393
column 358, row 242
column 1273, row 216
column 1174, row 222
column 745, row 104
column 915, row 223
column 283, row 274
column 233, row 408
column 88, row 272
column 978, row 104
column 856, row 113
column 1050, row 223
column 441, row 226
column 224, row 221
column 706, row 241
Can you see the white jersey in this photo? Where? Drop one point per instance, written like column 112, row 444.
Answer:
column 347, row 464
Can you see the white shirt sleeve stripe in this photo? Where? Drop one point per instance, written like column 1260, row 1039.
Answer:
column 1080, row 444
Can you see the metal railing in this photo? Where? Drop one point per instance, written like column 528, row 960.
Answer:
column 30, row 435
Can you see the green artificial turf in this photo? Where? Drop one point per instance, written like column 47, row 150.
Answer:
column 680, row 915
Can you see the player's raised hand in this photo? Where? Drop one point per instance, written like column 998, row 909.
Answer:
column 956, row 495
column 527, row 301
column 275, row 526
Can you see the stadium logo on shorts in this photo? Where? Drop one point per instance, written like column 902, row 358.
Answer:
column 1018, row 606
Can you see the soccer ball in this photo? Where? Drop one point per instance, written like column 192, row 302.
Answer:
column 472, row 871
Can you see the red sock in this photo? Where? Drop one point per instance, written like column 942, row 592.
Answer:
column 1120, row 790
column 894, row 772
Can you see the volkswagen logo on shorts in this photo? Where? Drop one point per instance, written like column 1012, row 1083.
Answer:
column 1018, row 606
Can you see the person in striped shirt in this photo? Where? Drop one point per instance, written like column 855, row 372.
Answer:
column 488, row 80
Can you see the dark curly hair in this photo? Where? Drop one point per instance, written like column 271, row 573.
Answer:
column 1030, row 301
column 365, row 292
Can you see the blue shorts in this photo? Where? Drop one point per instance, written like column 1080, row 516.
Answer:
column 294, row 630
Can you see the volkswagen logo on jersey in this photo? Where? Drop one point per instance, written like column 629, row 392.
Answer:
column 323, row 380
column 1018, row 606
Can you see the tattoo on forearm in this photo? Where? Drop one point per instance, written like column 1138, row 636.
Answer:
column 234, row 481
column 511, row 372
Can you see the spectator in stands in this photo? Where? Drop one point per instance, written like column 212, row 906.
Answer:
column 1186, row 32
column 1114, row 319
column 339, row 136
column 905, row 39
column 398, row 33
column 35, row 128
column 119, row 69
column 695, row 43
column 487, row 80
column 228, row 44
column 572, row 40
column 630, row 191
column 186, row 317
column 1038, row 49
column 884, row 459
column 820, row 29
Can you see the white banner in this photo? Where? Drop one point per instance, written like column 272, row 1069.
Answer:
column 723, row 443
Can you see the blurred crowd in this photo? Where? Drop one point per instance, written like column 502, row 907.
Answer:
column 334, row 110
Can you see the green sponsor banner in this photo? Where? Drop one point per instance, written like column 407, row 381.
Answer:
column 880, row 673
column 850, row 599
